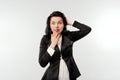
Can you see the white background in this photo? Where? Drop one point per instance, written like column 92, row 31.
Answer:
column 23, row 22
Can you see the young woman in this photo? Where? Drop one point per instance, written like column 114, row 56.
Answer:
column 56, row 47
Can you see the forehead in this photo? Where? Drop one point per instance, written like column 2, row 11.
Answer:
column 56, row 19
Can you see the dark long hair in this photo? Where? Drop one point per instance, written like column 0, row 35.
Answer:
column 55, row 14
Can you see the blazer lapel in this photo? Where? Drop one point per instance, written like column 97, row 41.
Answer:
column 65, row 43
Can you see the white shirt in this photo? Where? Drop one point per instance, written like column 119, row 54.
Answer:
column 63, row 70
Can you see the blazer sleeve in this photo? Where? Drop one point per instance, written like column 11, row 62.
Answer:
column 44, row 56
column 83, row 31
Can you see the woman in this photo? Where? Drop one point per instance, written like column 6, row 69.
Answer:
column 56, row 47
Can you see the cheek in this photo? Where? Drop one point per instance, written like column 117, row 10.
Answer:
column 62, row 28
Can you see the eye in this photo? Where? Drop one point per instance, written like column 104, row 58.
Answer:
column 53, row 23
column 60, row 22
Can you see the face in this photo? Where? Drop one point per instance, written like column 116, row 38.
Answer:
column 56, row 25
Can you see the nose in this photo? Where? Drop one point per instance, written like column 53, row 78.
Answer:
column 56, row 25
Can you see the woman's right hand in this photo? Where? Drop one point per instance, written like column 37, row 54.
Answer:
column 69, row 22
column 54, row 39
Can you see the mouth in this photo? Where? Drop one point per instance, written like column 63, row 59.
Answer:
column 57, row 30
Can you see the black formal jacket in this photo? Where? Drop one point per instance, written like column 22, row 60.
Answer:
column 68, row 38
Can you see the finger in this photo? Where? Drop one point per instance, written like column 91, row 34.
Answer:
column 58, row 36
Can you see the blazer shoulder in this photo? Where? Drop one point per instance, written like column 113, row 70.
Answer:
column 44, row 39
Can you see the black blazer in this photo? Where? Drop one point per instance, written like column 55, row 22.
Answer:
column 68, row 38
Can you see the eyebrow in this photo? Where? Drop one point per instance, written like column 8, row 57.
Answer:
column 54, row 21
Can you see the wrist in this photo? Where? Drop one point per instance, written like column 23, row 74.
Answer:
column 52, row 45
column 70, row 23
